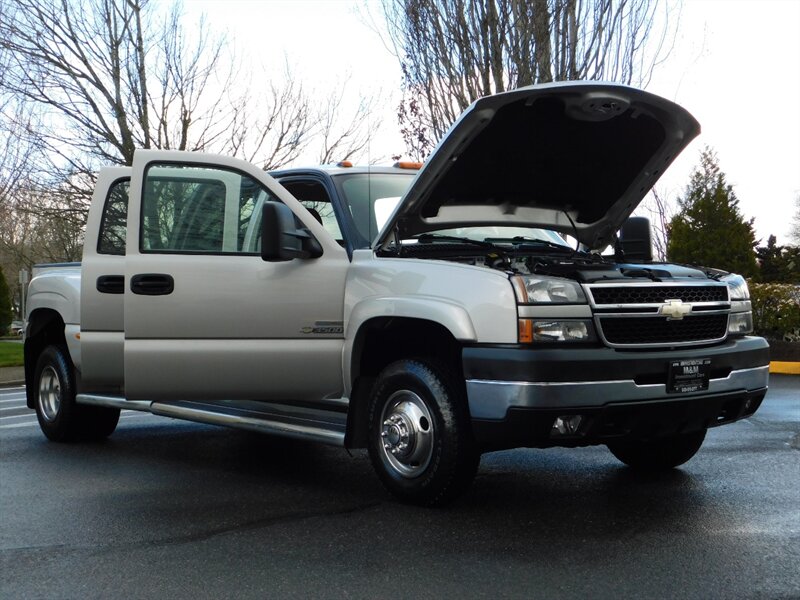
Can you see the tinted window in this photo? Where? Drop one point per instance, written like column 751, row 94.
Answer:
column 315, row 198
column 361, row 191
column 201, row 210
column 114, row 222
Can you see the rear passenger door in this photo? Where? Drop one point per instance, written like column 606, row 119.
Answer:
column 102, row 285
column 205, row 317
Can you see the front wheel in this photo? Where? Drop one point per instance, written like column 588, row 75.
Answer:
column 61, row 419
column 420, row 437
column 661, row 454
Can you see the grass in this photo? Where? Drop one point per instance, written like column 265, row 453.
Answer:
column 10, row 354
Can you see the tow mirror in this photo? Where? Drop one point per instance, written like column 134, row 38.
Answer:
column 635, row 242
column 282, row 238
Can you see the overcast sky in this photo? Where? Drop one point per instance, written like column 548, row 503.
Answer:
column 735, row 67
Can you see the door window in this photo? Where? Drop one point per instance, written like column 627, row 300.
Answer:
column 313, row 195
column 114, row 222
column 200, row 210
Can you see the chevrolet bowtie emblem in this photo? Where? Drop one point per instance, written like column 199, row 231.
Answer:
column 674, row 310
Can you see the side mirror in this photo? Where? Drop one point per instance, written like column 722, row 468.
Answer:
column 282, row 238
column 635, row 242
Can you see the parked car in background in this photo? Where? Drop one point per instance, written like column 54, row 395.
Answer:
column 17, row 328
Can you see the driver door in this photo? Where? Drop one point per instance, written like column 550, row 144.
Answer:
column 205, row 317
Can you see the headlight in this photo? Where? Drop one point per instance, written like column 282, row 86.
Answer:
column 737, row 286
column 540, row 330
column 536, row 289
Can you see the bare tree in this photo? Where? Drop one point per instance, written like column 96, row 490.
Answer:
column 455, row 51
column 117, row 75
column 112, row 79
column 101, row 78
column 794, row 232
column 272, row 127
column 345, row 134
column 660, row 211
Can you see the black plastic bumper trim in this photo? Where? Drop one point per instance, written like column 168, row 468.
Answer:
column 532, row 428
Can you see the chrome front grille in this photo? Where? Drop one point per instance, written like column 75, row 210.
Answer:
column 644, row 315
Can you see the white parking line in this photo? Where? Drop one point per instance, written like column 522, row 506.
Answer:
column 16, row 425
column 17, row 416
column 127, row 414
column 20, row 401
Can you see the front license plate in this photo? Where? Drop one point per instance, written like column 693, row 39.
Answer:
column 690, row 375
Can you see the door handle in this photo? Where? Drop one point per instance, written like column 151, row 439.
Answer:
column 111, row 284
column 152, row 284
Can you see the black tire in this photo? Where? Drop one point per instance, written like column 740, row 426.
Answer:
column 61, row 419
column 660, row 454
column 420, row 405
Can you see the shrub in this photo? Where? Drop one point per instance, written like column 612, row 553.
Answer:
column 776, row 310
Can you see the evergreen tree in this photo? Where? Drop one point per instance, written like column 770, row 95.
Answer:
column 5, row 304
column 709, row 229
column 778, row 264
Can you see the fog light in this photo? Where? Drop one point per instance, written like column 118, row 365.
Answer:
column 740, row 323
column 563, row 331
column 566, row 425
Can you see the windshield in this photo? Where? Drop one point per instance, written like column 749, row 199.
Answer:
column 371, row 198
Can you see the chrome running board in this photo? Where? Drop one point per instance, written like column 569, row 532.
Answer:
column 281, row 420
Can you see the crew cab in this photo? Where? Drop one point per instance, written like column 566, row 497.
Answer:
column 429, row 315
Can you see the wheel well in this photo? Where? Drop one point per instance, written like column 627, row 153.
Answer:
column 45, row 327
column 382, row 341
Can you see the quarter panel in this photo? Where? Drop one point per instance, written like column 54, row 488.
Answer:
column 59, row 290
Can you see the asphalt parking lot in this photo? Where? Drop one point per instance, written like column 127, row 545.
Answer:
column 173, row 509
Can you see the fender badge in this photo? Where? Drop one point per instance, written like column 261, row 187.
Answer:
column 324, row 327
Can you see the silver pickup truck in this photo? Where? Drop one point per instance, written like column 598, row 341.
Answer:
column 428, row 315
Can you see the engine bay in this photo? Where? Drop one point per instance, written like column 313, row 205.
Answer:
column 563, row 262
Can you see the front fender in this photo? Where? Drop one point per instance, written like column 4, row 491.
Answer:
column 449, row 315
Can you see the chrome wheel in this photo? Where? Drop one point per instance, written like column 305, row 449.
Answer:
column 407, row 434
column 49, row 394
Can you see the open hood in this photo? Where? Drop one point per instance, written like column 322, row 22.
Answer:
column 574, row 157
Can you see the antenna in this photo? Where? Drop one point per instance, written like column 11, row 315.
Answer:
column 369, row 178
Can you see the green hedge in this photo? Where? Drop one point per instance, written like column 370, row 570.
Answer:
column 776, row 310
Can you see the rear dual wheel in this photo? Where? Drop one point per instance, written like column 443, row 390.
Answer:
column 60, row 418
column 420, row 436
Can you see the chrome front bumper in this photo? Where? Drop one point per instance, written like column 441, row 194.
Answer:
column 491, row 399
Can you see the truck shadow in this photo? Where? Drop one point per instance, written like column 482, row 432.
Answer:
column 585, row 486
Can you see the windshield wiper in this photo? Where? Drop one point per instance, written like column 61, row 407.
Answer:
column 520, row 240
column 428, row 238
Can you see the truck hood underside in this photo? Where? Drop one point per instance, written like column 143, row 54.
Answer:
column 571, row 157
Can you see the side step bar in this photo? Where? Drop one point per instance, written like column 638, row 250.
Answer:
column 300, row 428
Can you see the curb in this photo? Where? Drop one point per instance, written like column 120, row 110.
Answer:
column 784, row 368
column 12, row 383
